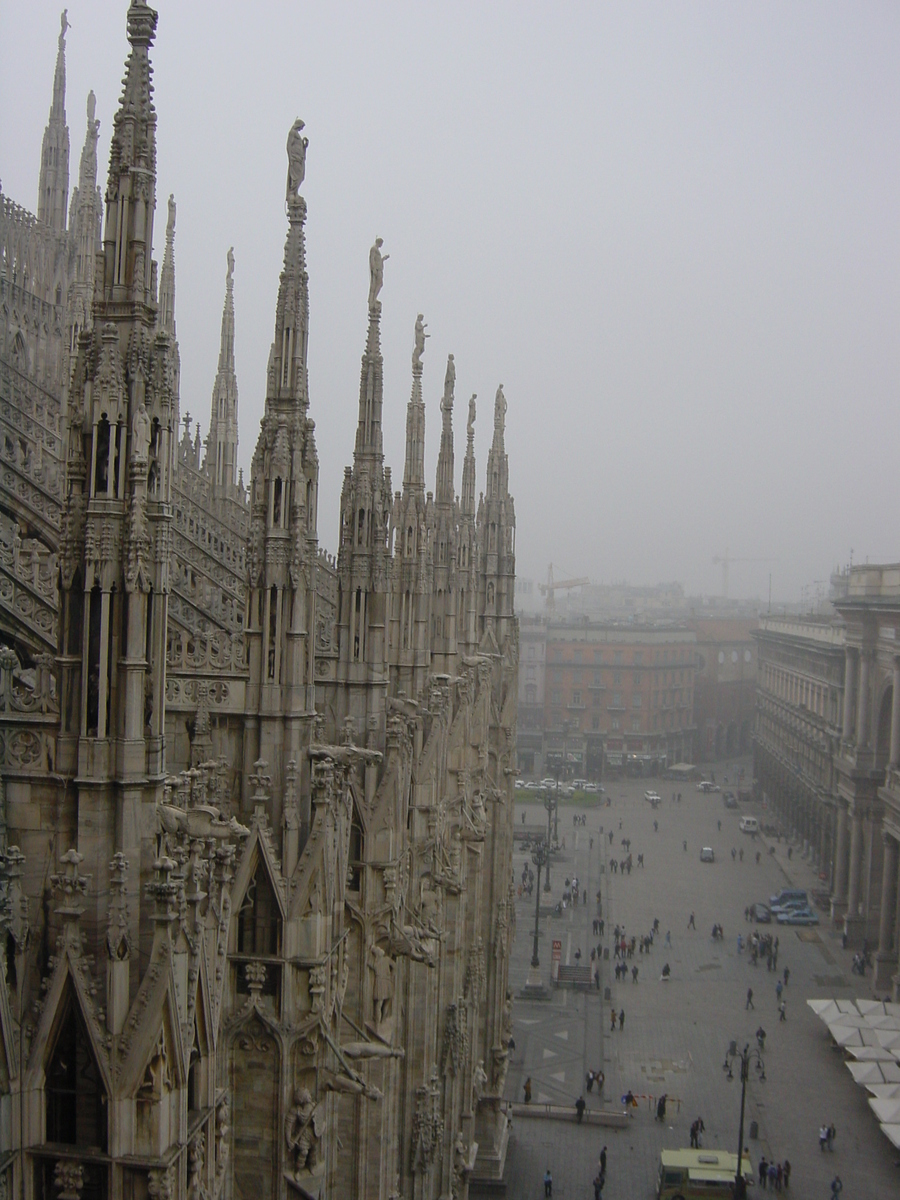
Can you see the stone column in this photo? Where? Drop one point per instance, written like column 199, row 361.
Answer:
column 895, row 716
column 887, row 953
column 849, row 676
column 839, row 896
column 862, row 703
column 856, row 848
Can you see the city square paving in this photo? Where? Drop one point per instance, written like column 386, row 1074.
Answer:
column 676, row 1033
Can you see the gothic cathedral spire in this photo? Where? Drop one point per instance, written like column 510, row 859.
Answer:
column 283, row 541
column 223, row 414
column 53, row 189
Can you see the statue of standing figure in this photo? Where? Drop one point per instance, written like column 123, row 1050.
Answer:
column 421, row 335
column 140, row 434
column 470, row 423
column 500, row 409
column 449, row 385
column 230, row 261
column 376, row 270
column 296, row 152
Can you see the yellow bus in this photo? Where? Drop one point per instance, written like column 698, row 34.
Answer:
column 697, row 1174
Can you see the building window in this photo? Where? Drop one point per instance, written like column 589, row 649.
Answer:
column 636, row 701
column 638, row 657
column 554, row 697
column 636, row 724
column 576, row 697
column 617, row 656
column 598, row 679
column 530, row 694
column 596, row 723
column 617, row 699
column 617, row 677
column 615, row 724
column 637, row 679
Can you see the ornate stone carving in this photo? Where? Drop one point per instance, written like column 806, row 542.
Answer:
column 304, row 1126
column 428, row 1127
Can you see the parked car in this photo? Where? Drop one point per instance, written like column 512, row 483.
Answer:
column 789, row 906
column 707, row 855
column 550, row 783
column 760, row 913
column 730, row 801
column 788, row 894
column 592, row 789
column 798, row 916
column 519, row 784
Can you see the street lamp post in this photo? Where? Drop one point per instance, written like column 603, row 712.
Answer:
column 548, row 804
column 539, row 856
column 534, row 985
column 744, row 1058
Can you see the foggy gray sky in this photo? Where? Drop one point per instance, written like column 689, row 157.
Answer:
column 670, row 231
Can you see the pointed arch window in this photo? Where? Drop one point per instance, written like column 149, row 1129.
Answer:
column 74, row 1092
column 259, row 919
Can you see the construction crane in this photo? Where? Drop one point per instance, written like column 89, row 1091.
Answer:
column 550, row 588
column 725, row 560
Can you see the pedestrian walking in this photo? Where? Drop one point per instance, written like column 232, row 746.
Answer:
column 528, row 1090
column 597, row 978
column 603, row 1162
column 823, row 1137
column 836, row 1186
column 781, row 1011
column 589, row 1081
column 634, row 974
column 684, row 843
column 622, row 1018
column 661, row 1107
column 691, row 924
column 668, row 938
column 779, row 988
column 787, row 975
column 548, row 1183
column 612, row 1020
column 763, row 1171
column 598, row 1187
column 832, row 1134
column 787, row 1174
column 749, row 1004
column 741, row 854
column 579, row 1109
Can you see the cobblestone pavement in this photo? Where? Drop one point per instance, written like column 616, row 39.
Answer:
column 676, row 1033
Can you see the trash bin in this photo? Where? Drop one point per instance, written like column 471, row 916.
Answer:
column 754, row 1131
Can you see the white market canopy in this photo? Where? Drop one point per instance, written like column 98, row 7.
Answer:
column 869, row 1032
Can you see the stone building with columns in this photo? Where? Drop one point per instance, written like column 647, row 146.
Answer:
column 255, row 799
column 827, row 752
column 798, row 727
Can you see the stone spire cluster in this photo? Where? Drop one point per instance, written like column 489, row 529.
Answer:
column 53, row 188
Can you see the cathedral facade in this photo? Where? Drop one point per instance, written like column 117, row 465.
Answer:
column 255, row 798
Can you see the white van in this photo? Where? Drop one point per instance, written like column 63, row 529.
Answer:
column 749, row 825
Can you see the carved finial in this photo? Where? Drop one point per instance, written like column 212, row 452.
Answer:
column 164, row 890
column 261, row 782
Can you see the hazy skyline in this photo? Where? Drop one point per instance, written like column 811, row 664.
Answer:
column 670, row 231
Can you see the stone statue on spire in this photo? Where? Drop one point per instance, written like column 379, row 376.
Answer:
column 63, row 27
column 170, row 223
column 230, row 259
column 470, row 423
column 500, row 410
column 296, row 152
column 376, row 271
column 421, row 335
column 449, row 385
